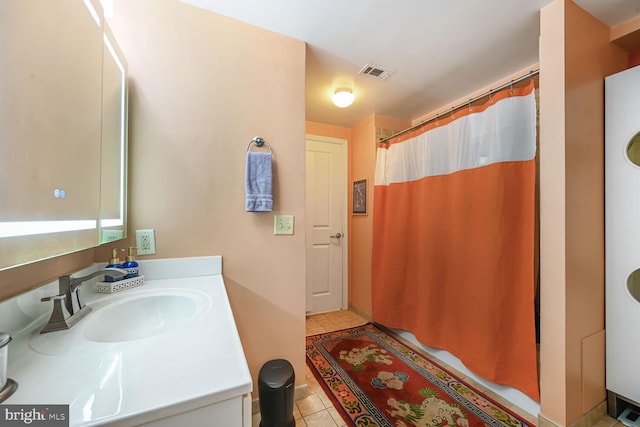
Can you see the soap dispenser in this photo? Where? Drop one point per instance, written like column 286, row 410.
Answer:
column 131, row 265
column 114, row 262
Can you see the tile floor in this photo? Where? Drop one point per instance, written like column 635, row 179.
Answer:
column 608, row 421
column 316, row 410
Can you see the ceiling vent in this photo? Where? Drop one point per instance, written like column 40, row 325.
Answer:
column 380, row 73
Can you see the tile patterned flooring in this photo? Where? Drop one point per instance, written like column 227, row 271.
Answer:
column 316, row 410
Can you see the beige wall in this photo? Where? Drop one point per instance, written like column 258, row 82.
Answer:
column 552, row 257
column 331, row 131
column 361, row 166
column 575, row 56
column 202, row 86
column 17, row 280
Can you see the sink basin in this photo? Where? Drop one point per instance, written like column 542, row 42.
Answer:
column 139, row 317
column 126, row 317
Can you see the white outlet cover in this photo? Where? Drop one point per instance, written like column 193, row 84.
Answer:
column 112, row 235
column 143, row 248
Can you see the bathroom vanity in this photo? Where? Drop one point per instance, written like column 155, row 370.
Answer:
column 165, row 353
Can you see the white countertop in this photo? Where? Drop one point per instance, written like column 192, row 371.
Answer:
column 195, row 364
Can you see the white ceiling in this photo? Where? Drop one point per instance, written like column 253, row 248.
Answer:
column 441, row 51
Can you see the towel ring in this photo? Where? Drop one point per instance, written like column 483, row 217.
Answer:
column 258, row 141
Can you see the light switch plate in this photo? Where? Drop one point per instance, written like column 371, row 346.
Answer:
column 283, row 224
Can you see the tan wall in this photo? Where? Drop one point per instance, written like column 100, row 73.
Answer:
column 361, row 166
column 392, row 124
column 17, row 280
column 202, row 86
column 331, row 131
column 584, row 79
column 575, row 56
column 552, row 223
column 627, row 35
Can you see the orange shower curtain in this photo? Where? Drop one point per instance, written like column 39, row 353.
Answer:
column 453, row 237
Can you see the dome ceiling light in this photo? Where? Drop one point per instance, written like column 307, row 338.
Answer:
column 343, row 97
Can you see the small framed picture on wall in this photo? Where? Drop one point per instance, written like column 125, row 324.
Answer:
column 360, row 197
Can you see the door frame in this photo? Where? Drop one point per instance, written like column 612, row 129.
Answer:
column 345, row 224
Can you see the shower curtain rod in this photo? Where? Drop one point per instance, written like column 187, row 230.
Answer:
column 462, row 104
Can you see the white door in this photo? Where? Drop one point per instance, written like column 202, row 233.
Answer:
column 326, row 244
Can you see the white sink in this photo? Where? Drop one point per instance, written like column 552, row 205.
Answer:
column 124, row 317
column 141, row 317
column 177, row 328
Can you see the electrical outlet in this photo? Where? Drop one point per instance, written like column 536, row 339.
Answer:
column 111, row 235
column 145, row 242
column 283, row 224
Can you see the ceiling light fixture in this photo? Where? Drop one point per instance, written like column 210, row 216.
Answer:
column 343, row 97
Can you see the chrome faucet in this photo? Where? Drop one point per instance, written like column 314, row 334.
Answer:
column 68, row 307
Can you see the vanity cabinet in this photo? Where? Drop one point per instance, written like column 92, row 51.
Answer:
column 231, row 412
column 121, row 367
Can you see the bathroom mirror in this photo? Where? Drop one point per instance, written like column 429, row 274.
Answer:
column 113, row 191
column 51, row 113
column 633, row 149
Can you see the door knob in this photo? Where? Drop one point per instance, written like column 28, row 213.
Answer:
column 337, row 235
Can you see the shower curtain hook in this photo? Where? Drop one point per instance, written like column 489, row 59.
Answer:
column 511, row 92
column 470, row 109
column 490, row 97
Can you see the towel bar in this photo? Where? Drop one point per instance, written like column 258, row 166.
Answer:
column 258, row 141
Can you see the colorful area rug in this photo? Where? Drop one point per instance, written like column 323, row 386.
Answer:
column 375, row 380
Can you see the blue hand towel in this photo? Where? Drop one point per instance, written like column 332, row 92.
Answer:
column 258, row 182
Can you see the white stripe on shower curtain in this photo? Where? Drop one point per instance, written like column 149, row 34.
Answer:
column 453, row 237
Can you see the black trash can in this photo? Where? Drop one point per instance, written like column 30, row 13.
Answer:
column 276, row 387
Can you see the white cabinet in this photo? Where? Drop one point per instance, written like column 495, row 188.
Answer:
column 194, row 373
column 235, row 412
column 622, row 231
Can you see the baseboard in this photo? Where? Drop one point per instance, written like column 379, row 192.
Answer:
column 587, row 420
column 300, row 392
column 360, row 313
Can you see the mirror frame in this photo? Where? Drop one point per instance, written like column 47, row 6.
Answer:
column 115, row 228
